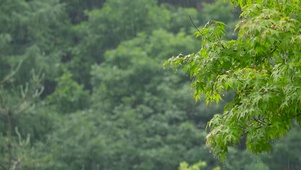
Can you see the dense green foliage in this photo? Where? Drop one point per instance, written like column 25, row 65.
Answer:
column 82, row 85
column 262, row 68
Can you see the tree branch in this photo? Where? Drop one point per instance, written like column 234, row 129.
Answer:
column 8, row 77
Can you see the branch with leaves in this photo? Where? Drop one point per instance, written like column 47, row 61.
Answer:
column 262, row 67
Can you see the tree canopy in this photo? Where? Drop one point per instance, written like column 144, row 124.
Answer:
column 82, row 85
column 261, row 67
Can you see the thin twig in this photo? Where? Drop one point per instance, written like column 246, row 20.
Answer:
column 194, row 24
column 11, row 75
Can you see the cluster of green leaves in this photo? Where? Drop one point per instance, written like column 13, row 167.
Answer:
column 68, row 96
column 196, row 166
column 262, row 68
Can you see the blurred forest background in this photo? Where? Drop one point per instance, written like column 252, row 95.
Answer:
column 82, row 87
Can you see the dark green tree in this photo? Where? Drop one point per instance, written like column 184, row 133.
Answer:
column 138, row 118
column 116, row 21
column 68, row 96
column 30, row 50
